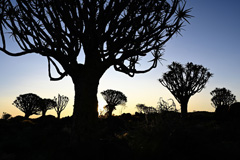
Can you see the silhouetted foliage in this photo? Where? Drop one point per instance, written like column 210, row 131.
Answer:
column 28, row 103
column 109, row 33
column 6, row 116
column 113, row 98
column 46, row 104
column 142, row 108
column 164, row 106
column 222, row 97
column 165, row 136
column 184, row 81
column 61, row 103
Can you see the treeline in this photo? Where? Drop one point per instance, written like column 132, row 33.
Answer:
column 31, row 104
column 183, row 81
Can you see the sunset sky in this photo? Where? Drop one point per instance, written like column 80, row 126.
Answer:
column 212, row 40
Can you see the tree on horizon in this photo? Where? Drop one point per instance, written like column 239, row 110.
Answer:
column 103, row 34
column 45, row 105
column 28, row 103
column 184, row 81
column 113, row 98
column 222, row 97
column 61, row 102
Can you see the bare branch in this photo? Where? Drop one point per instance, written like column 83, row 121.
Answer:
column 62, row 74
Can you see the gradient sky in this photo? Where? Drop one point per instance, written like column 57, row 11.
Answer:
column 212, row 40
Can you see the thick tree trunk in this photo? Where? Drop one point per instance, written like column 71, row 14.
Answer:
column 44, row 113
column 27, row 115
column 85, row 113
column 184, row 105
column 58, row 115
column 110, row 110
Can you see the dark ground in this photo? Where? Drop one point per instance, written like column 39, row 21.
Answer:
column 158, row 136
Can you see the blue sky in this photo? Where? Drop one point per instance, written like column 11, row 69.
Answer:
column 212, row 40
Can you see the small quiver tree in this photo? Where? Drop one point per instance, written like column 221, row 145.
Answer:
column 222, row 97
column 46, row 104
column 113, row 98
column 28, row 104
column 184, row 81
column 61, row 103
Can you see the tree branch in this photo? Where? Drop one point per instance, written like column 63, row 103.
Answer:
column 62, row 74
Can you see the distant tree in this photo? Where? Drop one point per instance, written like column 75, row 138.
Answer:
column 113, row 98
column 28, row 103
column 164, row 106
column 149, row 110
column 61, row 103
column 142, row 108
column 99, row 33
column 184, row 81
column 6, row 116
column 222, row 97
column 46, row 104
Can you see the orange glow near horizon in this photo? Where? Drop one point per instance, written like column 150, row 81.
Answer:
column 101, row 104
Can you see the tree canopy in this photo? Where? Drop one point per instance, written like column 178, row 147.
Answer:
column 28, row 103
column 113, row 98
column 46, row 104
column 117, row 32
column 222, row 97
column 60, row 104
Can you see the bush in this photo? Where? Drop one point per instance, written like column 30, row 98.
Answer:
column 6, row 116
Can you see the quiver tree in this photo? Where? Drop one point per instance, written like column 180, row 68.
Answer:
column 113, row 98
column 222, row 97
column 28, row 104
column 184, row 81
column 83, row 39
column 61, row 103
column 46, row 104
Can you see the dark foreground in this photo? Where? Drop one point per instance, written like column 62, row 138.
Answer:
column 159, row 136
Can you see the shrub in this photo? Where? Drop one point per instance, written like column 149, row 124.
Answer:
column 6, row 116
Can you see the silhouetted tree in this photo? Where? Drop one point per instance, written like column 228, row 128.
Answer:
column 164, row 106
column 61, row 103
column 149, row 110
column 113, row 98
column 185, row 81
column 222, row 97
column 142, row 108
column 99, row 33
column 28, row 104
column 6, row 116
column 46, row 104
